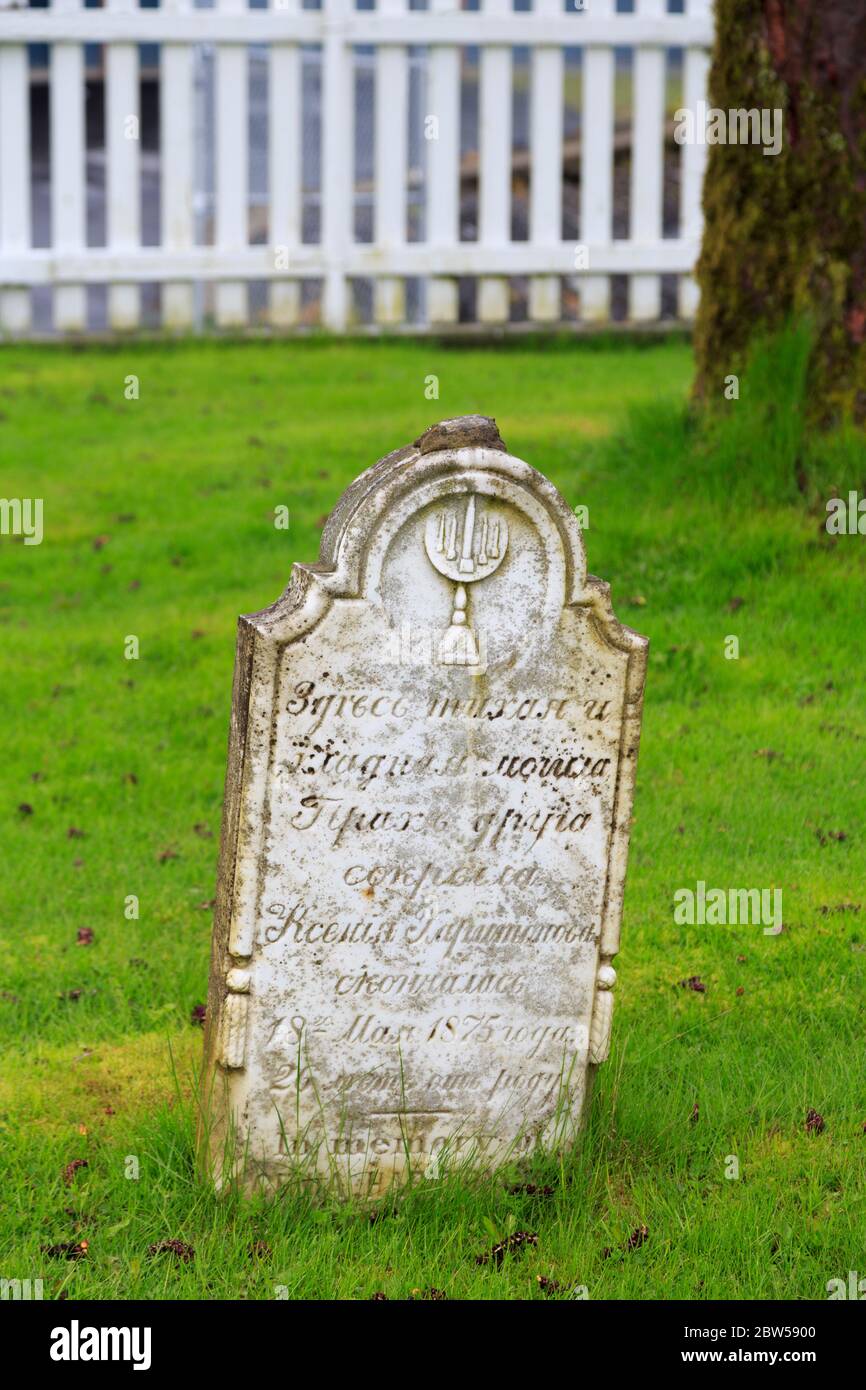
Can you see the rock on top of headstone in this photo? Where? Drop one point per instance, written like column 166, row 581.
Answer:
column 431, row 768
column 464, row 431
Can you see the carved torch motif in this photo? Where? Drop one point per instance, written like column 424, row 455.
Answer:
column 464, row 549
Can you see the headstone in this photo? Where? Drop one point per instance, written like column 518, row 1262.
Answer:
column 431, row 767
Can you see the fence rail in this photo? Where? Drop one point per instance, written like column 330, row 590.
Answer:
column 419, row 139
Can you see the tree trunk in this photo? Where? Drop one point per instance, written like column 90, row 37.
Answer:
column 785, row 234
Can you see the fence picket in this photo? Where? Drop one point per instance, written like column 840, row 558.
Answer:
column 15, row 317
column 284, row 181
column 647, row 162
column 231, row 229
column 391, row 141
column 68, row 207
column 696, row 65
column 337, row 100
column 546, row 116
column 443, row 168
column 122, row 144
column 596, row 167
column 176, row 136
column 494, row 153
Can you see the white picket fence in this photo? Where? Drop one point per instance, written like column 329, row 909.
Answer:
column 546, row 263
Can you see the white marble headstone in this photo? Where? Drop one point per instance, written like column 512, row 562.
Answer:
column 431, row 767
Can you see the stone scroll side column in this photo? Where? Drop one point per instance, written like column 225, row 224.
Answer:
column 233, row 1024
column 602, row 1015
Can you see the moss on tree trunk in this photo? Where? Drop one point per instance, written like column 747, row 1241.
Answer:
column 785, row 235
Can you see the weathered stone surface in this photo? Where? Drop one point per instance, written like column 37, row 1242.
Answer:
column 431, row 767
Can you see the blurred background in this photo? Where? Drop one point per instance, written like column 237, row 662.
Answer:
column 591, row 128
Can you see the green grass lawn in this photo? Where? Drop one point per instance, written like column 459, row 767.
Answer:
column 159, row 524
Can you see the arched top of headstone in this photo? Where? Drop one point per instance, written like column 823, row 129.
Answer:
column 452, row 465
